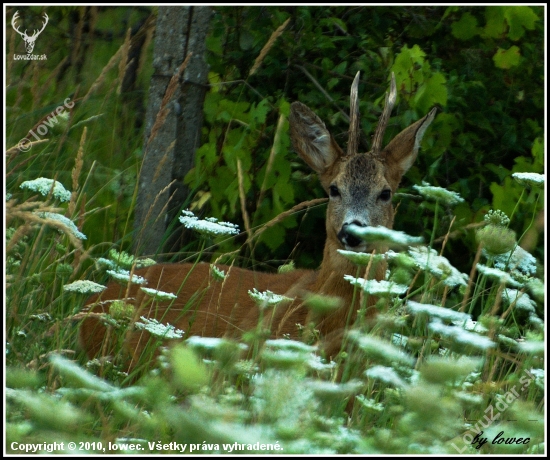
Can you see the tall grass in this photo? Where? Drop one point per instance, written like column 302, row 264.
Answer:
column 424, row 377
column 453, row 363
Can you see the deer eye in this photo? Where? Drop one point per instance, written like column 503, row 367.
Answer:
column 385, row 195
column 333, row 191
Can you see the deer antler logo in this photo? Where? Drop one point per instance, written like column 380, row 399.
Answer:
column 29, row 41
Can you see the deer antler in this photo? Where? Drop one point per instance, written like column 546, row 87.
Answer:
column 36, row 33
column 16, row 28
column 353, row 136
column 383, row 122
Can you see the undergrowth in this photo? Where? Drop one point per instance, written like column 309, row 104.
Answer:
column 453, row 362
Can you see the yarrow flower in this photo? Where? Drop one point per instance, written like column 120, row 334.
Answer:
column 380, row 234
column 386, row 375
column 529, row 179
column 458, row 334
column 65, row 221
column 518, row 261
column 217, row 274
column 159, row 330
column 124, row 276
column 210, row 226
column 159, row 295
column 267, row 298
column 428, row 259
column 521, row 300
column 380, row 349
column 436, row 311
column 498, row 275
column 44, row 186
column 361, row 258
column 378, row 288
column 438, row 194
column 84, row 287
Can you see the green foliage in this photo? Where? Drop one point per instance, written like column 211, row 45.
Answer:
column 408, row 386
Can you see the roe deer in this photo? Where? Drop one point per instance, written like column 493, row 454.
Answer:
column 360, row 188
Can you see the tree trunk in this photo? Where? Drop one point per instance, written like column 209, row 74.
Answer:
column 170, row 153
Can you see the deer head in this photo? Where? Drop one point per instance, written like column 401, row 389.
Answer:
column 29, row 41
column 360, row 185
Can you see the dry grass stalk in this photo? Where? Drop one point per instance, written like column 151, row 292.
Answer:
column 242, row 197
column 161, row 213
column 471, row 280
column 170, row 90
column 162, row 163
column 15, row 149
column 267, row 47
column 272, row 153
column 284, row 215
column 76, row 172
column 123, row 64
column 101, row 78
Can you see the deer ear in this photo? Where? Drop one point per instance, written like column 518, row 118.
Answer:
column 311, row 139
column 401, row 152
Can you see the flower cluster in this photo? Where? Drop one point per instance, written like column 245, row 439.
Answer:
column 210, row 226
column 44, row 186
column 438, row 194
column 159, row 330
column 267, row 298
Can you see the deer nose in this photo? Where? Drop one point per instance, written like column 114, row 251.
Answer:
column 347, row 238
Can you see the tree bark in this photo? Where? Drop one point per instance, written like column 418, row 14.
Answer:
column 170, row 153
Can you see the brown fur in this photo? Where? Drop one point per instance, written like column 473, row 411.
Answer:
column 212, row 308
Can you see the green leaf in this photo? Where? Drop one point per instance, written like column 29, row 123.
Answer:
column 433, row 91
column 519, row 18
column 496, row 24
column 466, row 27
column 505, row 59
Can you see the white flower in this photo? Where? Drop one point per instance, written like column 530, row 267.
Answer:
column 65, row 221
column 209, row 343
column 267, row 298
column 217, row 274
column 316, row 364
column 124, row 276
column 386, row 374
column 378, row 288
column 210, row 226
column 529, row 179
column 437, row 312
column 360, row 258
column 383, row 235
column 106, row 263
column 470, row 325
column 521, row 300
column 498, row 275
column 438, row 194
column 84, row 287
column 427, row 259
column 532, row 347
column 378, row 348
column 159, row 295
column 44, row 186
column 290, row 345
column 159, row 330
column 457, row 334
column 519, row 260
